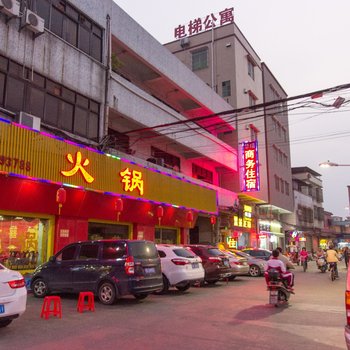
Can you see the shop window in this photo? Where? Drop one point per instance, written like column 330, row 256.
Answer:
column 164, row 235
column 107, row 231
column 88, row 251
column 23, row 242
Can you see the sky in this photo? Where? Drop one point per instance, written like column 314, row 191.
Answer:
column 305, row 45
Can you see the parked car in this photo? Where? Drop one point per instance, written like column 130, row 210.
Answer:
column 108, row 268
column 181, row 268
column 256, row 265
column 239, row 264
column 258, row 253
column 347, row 310
column 13, row 295
column 215, row 263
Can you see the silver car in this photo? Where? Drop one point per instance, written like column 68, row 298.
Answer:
column 256, row 265
column 238, row 264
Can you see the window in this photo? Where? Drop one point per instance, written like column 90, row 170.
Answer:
column 226, row 88
column 164, row 235
column 202, row 174
column 112, row 250
column 251, row 69
column 282, row 186
column 88, row 251
column 277, row 183
column 71, row 25
column 286, row 186
column 200, row 59
column 170, row 161
column 67, row 253
column 48, row 100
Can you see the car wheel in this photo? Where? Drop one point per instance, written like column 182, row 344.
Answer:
column 183, row 288
column 4, row 323
column 107, row 293
column 141, row 296
column 232, row 277
column 40, row 288
column 165, row 288
column 254, row 271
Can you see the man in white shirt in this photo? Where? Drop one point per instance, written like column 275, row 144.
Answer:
column 289, row 265
column 276, row 264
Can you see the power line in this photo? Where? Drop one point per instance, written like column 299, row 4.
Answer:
column 243, row 109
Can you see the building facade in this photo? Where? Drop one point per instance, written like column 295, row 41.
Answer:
column 224, row 59
column 104, row 134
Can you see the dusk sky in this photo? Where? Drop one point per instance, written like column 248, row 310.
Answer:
column 304, row 43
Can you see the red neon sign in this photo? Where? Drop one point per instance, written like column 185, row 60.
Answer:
column 251, row 181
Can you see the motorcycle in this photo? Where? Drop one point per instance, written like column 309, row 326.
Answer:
column 322, row 264
column 279, row 293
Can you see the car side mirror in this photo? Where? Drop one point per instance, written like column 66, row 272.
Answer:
column 52, row 259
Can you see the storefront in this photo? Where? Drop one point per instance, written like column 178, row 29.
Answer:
column 55, row 192
column 270, row 235
column 241, row 233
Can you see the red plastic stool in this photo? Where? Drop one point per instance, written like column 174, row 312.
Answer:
column 90, row 305
column 46, row 308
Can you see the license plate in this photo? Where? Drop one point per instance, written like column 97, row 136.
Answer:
column 150, row 270
column 195, row 265
column 2, row 308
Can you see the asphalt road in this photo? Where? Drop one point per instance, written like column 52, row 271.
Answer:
column 225, row 316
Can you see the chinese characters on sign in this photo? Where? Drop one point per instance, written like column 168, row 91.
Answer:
column 250, row 166
column 78, row 166
column 132, row 180
column 198, row 25
column 246, row 221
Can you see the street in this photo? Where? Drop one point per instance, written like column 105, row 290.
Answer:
column 228, row 315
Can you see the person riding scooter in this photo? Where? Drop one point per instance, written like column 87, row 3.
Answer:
column 275, row 264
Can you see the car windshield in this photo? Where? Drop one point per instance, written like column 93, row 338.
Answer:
column 184, row 253
column 143, row 250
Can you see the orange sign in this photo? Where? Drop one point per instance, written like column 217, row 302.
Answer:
column 132, row 180
column 78, row 166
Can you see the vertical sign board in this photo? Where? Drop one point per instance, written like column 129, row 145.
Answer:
column 250, row 167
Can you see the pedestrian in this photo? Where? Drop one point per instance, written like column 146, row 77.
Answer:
column 304, row 255
column 346, row 256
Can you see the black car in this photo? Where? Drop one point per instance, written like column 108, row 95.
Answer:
column 108, row 268
column 258, row 253
column 216, row 264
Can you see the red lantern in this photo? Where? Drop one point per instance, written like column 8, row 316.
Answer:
column 213, row 220
column 119, row 206
column 189, row 217
column 61, row 197
column 160, row 213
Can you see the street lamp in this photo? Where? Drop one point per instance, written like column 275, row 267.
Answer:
column 329, row 164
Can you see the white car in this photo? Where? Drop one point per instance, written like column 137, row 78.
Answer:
column 13, row 295
column 181, row 268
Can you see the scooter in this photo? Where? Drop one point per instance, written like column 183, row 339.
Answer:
column 322, row 264
column 279, row 293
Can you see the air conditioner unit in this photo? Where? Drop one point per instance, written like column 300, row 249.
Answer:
column 34, row 22
column 29, row 120
column 184, row 42
column 10, row 7
column 160, row 161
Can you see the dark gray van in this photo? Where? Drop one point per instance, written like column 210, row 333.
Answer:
column 108, row 268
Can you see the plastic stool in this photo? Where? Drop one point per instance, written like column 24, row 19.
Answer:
column 90, row 305
column 46, row 308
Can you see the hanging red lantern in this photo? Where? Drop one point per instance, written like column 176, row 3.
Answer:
column 160, row 213
column 61, row 197
column 119, row 206
column 213, row 220
column 189, row 217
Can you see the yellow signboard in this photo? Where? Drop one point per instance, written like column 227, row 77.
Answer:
column 36, row 155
